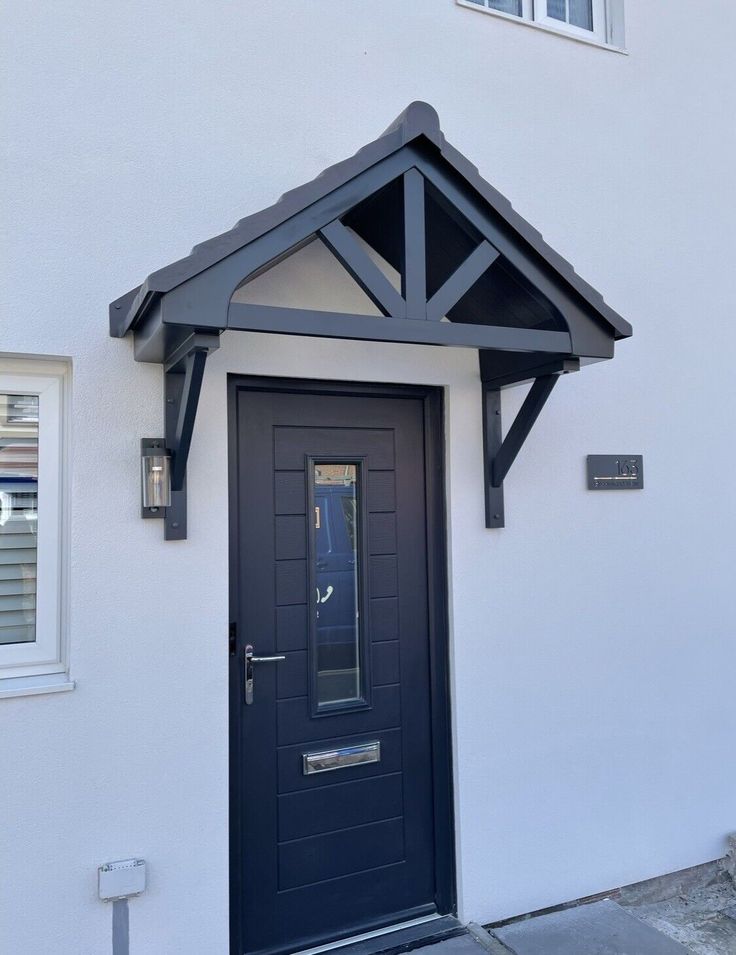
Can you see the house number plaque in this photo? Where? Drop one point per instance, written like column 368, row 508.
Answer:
column 615, row 472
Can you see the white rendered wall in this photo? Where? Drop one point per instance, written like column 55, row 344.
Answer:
column 592, row 639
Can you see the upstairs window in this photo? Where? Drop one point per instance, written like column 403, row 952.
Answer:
column 587, row 17
column 597, row 20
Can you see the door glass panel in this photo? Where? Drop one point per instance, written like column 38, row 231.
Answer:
column 18, row 517
column 336, row 574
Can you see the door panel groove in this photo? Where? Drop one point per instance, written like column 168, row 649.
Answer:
column 330, row 832
column 314, row 812
column 388, row 865
column 306, row 862
column 337, row 782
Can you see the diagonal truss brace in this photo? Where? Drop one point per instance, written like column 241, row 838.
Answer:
column 363, row 270
column 499, row 453
column 461, row 280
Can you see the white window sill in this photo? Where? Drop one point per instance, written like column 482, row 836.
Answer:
column 33, row 685
column 545, row 28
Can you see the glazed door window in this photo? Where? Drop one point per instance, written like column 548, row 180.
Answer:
column 336, row 613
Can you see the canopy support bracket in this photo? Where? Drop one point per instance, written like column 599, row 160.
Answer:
column 183, row 374
column 499, row 453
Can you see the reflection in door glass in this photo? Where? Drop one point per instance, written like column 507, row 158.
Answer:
column 337, row 631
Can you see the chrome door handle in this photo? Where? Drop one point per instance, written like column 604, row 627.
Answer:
column 250, row 659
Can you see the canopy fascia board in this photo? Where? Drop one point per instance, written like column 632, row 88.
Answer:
column 292, row 321
column 163, row 335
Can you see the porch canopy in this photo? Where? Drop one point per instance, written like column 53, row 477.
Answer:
column 439, row 257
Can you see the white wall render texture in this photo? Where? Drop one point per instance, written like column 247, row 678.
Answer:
column 593, row 641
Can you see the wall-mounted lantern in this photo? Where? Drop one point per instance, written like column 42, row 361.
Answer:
column 155, row 477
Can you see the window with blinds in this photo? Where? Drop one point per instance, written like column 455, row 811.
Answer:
column 18, row 517
column 33, row 488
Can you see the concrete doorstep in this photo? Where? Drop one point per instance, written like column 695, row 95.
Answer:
column 600, row 928
column 691, row 911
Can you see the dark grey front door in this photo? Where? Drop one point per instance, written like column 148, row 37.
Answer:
column 340, row 768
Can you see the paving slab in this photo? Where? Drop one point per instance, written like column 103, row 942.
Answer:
column 601, row 928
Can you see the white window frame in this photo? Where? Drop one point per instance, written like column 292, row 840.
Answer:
column 599, row 21
column 608, row 21
column 50, row 381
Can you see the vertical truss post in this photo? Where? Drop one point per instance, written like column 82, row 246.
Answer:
column 414, row 271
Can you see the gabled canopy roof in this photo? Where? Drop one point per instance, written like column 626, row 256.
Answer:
column 457, row 214
column 442, row 258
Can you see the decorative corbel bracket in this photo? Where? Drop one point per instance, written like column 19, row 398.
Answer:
column 499, row 453
column 183, row 374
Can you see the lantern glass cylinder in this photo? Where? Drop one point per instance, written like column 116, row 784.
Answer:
column 156, row 474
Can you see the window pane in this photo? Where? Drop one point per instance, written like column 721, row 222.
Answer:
column 337, row 629
column 506, row 6
column 581, row 13
column 557, row 9
column 578, row 13
column 18, row 517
